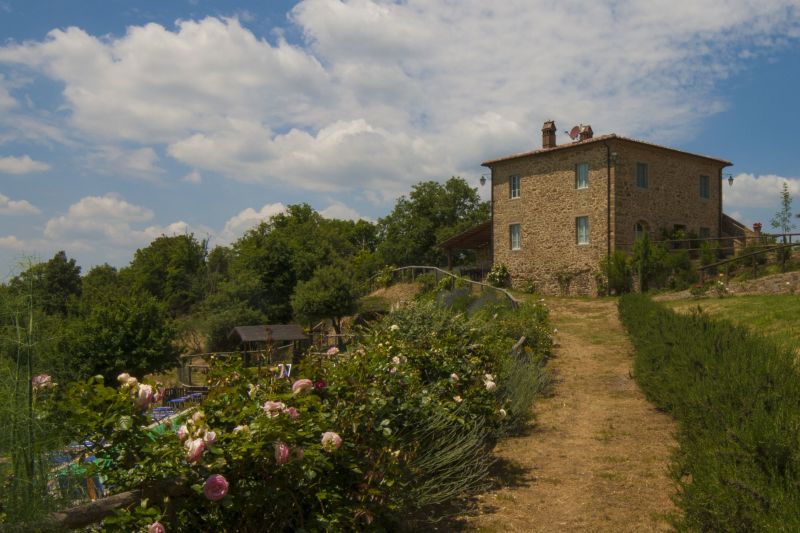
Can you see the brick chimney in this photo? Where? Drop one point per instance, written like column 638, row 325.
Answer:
column 586, row 132
column 757, row 229
column 549, row 134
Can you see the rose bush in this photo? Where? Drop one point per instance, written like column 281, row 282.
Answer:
column 404, row 420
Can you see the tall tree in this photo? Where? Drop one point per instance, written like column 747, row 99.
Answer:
column 172, row 269
column 330, row 293
column 54, row 286
column 431, row 213
column 783, row 218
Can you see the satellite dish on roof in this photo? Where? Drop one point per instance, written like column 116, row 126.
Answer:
column 574, row 132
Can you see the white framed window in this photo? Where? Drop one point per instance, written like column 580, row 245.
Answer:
column 582, row 175
column 582, row 230
column 639, row 230
column 641, row 175
column 515, row 236
column 704, row 189
column 513, row 187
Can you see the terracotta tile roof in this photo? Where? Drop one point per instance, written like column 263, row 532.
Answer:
column 599, row 138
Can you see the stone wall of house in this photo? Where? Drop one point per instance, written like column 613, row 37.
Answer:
column 549, row 205
column 546, row 210
column 672, row 197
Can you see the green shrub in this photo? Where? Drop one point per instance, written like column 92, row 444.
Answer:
column 498, row 276
column 418, row 403
column 736, row 397
column 427, row 282
column 617, row 270
column 385, row 276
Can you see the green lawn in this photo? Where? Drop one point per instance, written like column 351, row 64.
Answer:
column 777, row 315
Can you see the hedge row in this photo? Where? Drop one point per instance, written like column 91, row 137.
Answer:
column 736, row 397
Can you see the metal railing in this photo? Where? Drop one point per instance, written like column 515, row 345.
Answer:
column 751, row 258
column 411, row 272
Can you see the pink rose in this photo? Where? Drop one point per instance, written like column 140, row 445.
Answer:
column 273, row 409
column 281, row 453
column 215, row 487
column 293, row 413
column 123, row 378
column 41, row 381
column 198, row 416
column 194, row 450
column 320, row 385
column 332, row 351
column 156, row 527
column 302, row 385
column 183, row 433
column 144, row 396
column 331, row 441
column 210, row 437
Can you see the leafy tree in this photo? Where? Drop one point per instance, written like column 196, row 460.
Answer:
column 172, row 269
column 101, row 282
column 54, row 286
column 431, row 213
column 783, row 218
column 123, row 333
column 330, row 293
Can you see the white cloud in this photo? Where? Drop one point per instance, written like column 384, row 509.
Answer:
column 341, row 211
column 21, row 165
column 193, row 177
column 6, row 100
column 12, row 243
column 113, row 160
column 108, row 216
column 246, row 219
column 384, row 94
column 749, row 191
column 16, row 207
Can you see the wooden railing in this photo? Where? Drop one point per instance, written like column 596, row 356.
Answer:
column 743, row 258
column 411, row 273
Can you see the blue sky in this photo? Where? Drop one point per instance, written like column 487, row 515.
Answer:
column 120, row 121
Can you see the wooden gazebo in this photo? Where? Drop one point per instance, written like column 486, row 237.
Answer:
column 478, row 239
column 276, row 342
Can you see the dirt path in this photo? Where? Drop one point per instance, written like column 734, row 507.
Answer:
column 597, row 457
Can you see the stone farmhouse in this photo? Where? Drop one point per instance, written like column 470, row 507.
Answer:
column 559, row 210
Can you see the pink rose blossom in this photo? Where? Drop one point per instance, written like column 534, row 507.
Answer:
column 331, row 441
column 123, row 378
column 194, row 450
column 198, row 416
column 281, row 453
column 302, row 385
column 273, row 409
column 320, row 385
column 215, row 487
column 293, row 413
column 210, row 437
column 490, row 386
column 41, row 381
column 183, row 433
column 333, row 350
column 156, row 527
column 144, row 396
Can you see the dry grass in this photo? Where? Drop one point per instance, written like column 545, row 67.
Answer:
column 597, row 457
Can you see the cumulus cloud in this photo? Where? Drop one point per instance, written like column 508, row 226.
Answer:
column 341, row 211
column 11, row 242
column 751, row 191
column 21, row 165
column 6, row 100
column 193, row 177
column 16, row 207
column 108, row 216
column 139, row 163
column 246, row 219
column 383, row 94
